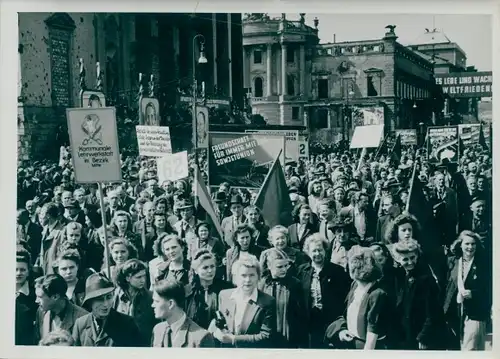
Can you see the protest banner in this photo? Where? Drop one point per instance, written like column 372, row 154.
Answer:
column 469, row 133
column 202, row 126
column 153, row 141
column 94, row 144
column 367, row 136
column 408, row 136
column 442, row 142
column 303, row 147
column 291, row 142
column 173, row 167
column 466, row 84
column 149, row 111
column 242, row 159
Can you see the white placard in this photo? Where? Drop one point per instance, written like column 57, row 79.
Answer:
column 291, row 141
column 173, row 167
column 367, row 136
column 94, row 144
column 153, row 141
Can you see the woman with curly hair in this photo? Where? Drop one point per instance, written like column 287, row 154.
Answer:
column 133, row 299
column 314, row 190
column 468, row 297
column 418, row 309
column 367, row 319
column 202, row 239
column 404, row 227
column 202, row 302
column 244, row 246
column 121, row 250
column 121, row 227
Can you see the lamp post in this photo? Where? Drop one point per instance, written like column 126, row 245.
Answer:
column 201, row 60
column 348, row 93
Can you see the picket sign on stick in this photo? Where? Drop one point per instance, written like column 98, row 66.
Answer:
column 173, row 167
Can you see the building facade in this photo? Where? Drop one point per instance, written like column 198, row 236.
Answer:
column 331, row 88
column 126, row 44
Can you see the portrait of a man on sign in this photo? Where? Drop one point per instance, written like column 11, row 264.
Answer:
column 202, row 127
column 94, row 99
column 150, row 112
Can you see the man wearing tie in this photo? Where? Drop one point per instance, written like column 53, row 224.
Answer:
column 229, row 224
column 176, row 330
column 188, row 221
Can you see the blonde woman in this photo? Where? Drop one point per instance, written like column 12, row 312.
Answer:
column 468, row 297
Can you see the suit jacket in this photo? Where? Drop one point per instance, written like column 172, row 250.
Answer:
column 147, row 238
column 259, row 320
column 119, row 330
column 382, row 224
column 23, row 325
column 447, row 219
column 190, row 335
column 293, row 233
column 32, row 234
column 43, row 322
column 51, row 241
column 228, row 229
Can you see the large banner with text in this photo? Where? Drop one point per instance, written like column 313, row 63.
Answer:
column 442, row 142
column 242, row 159
column 466, row 84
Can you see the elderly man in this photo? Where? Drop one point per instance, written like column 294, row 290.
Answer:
column 56, row 312
column 104, row 326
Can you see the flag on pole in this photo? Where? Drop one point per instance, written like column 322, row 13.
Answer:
column 202, row 193
column 482, row 139
column 273, row 198
column 395, row 154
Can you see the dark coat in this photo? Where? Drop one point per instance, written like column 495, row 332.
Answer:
column 335, row 284
column 259, row 321
column 32, row 235
column 419, row 314
column 293, row 233
column 23, row 325
column 289, row 311
column 347, row 215
column 119, row 330
column 147, row 238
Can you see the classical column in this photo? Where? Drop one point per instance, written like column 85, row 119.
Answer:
column 246, row 70
column 214, row 47
column 329, row 117
column 229, row 51
column 302, row 70
column 283, row 69
column 269, row 56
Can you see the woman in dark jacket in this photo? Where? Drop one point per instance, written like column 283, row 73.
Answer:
column 468, row 297
column 418, row 309
column 286, row 289
column 256, row 222
column 175, row 266
column 367, row 320
column 324, row 287
column 133, row 299
column 26, row 306
column 244, row 246
column 203, row 300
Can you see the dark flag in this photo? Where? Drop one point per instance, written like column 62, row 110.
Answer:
column 395, row 154
column 383, row 148
column 461, row 147
column 482, row 139
column 273, row 198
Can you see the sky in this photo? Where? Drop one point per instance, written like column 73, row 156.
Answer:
column 473, row 33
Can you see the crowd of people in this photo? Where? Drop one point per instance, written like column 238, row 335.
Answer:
column 356, row 269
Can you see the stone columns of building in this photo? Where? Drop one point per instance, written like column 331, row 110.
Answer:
column 269, row 56
column 283, row 69
column 214, row 48
column 302, row 70
column 246, row 69
column 229, row 54
column 282, row 114
column 329, row 117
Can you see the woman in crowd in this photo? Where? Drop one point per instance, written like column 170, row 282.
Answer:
column 314, row 190
column 203, row 240
column 366, row 321
column 256, row 222
column 69, row 267
column 404, row 227
column 203, row 300
column 324, row 287
column 244, row 246
column 121, row 250
column 121, row 227
column 278, row 238
column 389, row 270
column 95, row 250
column 468, row 297
column 132, row 298
column 25, row 292
column 306, row 223
column 287, row 291
column 175, row 266
column 418, row 308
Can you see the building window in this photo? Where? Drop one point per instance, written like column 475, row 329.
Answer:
column 290, row 56
column 370, row 85
column 321, row 120
column 257, row 57
column 258, row 90
column 295, row 113
column 290, row 85
column 323, row 88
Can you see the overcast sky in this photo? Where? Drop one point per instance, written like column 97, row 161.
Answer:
column 471, row 32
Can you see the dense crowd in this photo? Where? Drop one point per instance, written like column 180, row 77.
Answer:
column 358, row 268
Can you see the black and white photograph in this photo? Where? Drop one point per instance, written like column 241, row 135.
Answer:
column 148, row 215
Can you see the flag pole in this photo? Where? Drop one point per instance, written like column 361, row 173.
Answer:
column 412, row 181
column 269, row 173
column 380, row 147
column 360, row 161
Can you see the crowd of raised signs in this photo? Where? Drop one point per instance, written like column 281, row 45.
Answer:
column 376, row 258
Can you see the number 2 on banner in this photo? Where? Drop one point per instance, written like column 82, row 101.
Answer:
column 302, row 149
